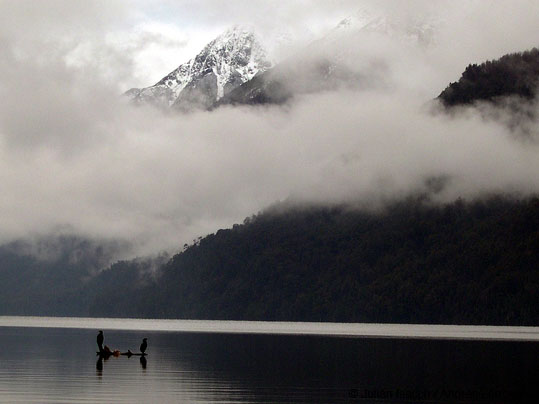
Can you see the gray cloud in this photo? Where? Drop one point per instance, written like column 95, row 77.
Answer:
column 72, row 152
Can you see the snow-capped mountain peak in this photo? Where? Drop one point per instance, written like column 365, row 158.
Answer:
column 225, row 63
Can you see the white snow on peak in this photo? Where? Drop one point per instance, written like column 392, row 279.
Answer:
column 233, row 58
column 235, row 52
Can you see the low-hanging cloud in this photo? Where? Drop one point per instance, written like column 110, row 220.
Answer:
column 73, row 152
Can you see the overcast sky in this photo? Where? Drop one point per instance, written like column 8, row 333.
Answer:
column 74, row 155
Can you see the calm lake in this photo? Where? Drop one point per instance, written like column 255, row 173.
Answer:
column 54, row 360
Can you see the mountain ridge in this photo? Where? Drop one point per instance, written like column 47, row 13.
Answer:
column 514, row 74
column 212, row 79
column 460, row 263
column 234, row 57
column 329, row 63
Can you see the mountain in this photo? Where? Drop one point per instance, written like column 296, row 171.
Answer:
column 504, row 91
column 419, row 29
column 231, row 59
column 412, row 262
column 331, row 62
column 49, row 274
column 289, row 79
column 515, row 74
column 235, row 68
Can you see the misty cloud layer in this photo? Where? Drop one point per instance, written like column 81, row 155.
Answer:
column 74, row 153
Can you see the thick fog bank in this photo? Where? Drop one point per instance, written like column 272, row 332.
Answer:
column 74, row 153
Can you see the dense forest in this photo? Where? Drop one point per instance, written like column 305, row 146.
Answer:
column 515, row 74
column 463, row 263
column 411, row 262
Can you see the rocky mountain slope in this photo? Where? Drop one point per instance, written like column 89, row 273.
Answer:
column 332, row 61
column 235, row 67
column 228, row 61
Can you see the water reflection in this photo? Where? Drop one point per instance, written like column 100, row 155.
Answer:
column 99, row 366
column 104, row 358
column 58, row 365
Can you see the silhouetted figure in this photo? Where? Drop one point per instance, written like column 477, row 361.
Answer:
column 143, row 362
column 100, row 340
column 144, row 345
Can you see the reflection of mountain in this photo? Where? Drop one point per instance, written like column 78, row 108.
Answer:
column 241, row 368
column 315, row 369
column 231, row 59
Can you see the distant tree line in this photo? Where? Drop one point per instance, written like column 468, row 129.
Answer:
column 515, row 74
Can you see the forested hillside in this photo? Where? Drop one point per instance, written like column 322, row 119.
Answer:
column 464, row 263
column 516, row 74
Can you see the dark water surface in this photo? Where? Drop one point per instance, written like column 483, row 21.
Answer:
column 59, row 365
